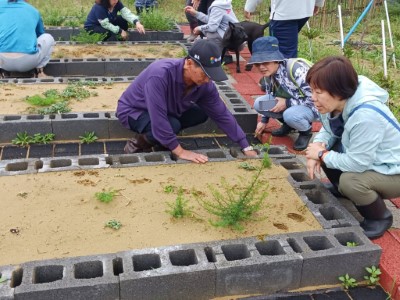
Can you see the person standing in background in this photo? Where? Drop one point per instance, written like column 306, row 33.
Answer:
column 287, row 18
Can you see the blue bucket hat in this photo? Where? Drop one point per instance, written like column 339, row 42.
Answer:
column 265, row 49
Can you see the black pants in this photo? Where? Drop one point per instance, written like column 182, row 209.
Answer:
column 189, row 118
column 121, row 22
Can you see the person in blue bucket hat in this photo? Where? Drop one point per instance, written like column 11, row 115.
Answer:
column 288, row 94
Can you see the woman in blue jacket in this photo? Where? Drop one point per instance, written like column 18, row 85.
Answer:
column 111, row 17
column 358, row 146
column 24, row 46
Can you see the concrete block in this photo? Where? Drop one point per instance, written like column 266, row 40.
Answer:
column 78, row 124
column 10, row 125
column 19, row 166
column 176, row 272
column 214, row 155
column 208, row 126
column 56, row 68
column 125, row 160
column 115, row 129
column 87, row 277
column 66, row 149
column 92, row 148
column 10, row 275
column 38, row 151
column 62, row 33
column 74, row 163
column 265, row 267
column 125, row 67
column 14, row 152
column 325, row 258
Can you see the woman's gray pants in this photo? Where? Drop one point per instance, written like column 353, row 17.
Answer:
column 27, row 62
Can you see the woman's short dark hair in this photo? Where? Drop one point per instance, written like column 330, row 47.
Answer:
column 334, row 74
column 105, row 3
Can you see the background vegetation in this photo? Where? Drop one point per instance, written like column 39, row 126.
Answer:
column 323, row 39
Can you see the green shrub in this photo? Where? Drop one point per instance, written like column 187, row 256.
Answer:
column 155, row 20
column 86, row 37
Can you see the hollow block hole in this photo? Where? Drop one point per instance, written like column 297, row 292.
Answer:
column 18, row 166
column 60, row 163
column 183, row 257
column 331, row 213
column 88, row 161
column 316, row 197
column 275, row 150
column 294, row 245
column 299, row 177
column 211, row 257
column 317, row 243
column 146, row 262
column 16, row 277
column 291, row 165
column 118, row 267
column 235, row 252
column 88, row 269
column 216, row 154
column 345, row 237
column 35, row 117
column 91, row 115
column 154, row 158
column 128, row 160
column 44, row 274
column 270, row 248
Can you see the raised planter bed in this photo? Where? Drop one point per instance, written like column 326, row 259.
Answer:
column 65, row 33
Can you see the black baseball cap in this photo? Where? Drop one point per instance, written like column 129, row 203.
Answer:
column 208, row 55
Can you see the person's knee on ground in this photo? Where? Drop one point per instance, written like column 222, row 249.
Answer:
column 370, row 205
column 139, row 143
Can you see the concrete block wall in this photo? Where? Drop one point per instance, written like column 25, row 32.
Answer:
column 265, row 264
column 197, row 271
column 61, row 33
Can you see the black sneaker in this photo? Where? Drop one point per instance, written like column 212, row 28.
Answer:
column 283, row 131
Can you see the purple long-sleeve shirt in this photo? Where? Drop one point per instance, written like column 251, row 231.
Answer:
column 160, row 90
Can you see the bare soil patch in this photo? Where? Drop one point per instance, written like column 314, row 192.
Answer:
column 104, row 97
column 56, row 214
column 117, row 51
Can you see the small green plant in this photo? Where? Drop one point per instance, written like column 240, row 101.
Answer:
column 351, row 244
column 236, row 203
column 75, row 91
column 86, row 37
column 42, row 101
column 22, row 139
column 114, row 224
column 106, row 196
column 56, row 108
column 179, row 208
column 347, row 281
column 169, row 189
column 155, row 20
column 373, row 275
column 311, row 33
column 39, row 138
column 53, row 17
column 247, row 166
column 3, row 279
column 88, row 137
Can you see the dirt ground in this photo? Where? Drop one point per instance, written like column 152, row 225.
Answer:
column 56, row 214
column 117, row 51
column 103, row 97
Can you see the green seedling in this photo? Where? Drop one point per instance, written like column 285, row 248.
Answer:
column 179, row 208
column 75, row 91
column 351, row 244
column 114, row 224
column 88, row 137
column 57, row 108
column 3, row 279
column 373, row 275
column 42, row 101
column 39, row 138
column 247, row 166
column 86, row 37
column 237, row 203
column 347, row 281
column 22, row 139
column 106, row 197
column 169, row 189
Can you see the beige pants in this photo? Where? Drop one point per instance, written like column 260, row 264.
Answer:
column 364, row 188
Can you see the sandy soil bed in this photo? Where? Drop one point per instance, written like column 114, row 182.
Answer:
column 117, row 51
column 56, row 214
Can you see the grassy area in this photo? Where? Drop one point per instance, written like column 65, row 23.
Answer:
column 364, row 47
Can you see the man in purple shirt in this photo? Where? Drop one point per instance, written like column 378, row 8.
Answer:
column 174, row 94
